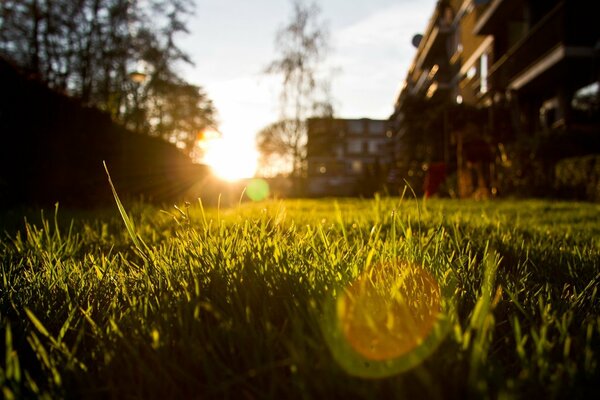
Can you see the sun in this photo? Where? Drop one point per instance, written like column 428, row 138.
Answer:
column 230, row 161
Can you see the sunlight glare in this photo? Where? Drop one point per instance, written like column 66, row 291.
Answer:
column 230, row 161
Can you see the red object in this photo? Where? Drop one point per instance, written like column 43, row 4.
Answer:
column 436, row 175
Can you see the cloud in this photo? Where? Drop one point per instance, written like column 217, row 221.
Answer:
column 374, row 55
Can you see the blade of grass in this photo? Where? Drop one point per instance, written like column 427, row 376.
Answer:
column 129, row 225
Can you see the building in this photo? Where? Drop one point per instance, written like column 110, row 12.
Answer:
column 347, row 157
column 489, row 72
column 544, row 54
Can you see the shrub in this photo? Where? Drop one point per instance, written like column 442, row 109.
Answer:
column 532, row 162
column 579, row 177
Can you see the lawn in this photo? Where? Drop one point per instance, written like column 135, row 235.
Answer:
column 382, row 298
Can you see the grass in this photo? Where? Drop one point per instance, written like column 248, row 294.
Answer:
column 263, row 300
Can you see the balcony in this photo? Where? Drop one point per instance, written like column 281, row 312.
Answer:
column 434, row 45
column 497, row 13
column 537, row 51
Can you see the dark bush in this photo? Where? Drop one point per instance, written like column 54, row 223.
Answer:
column 531, row 162
column 523, row 171
column 579, row 177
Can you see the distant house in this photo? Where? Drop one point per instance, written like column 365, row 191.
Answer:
column 347, row 157
column 487, row 72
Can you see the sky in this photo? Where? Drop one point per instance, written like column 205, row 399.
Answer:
column 232, row 41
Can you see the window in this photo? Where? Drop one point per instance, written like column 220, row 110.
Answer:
column 376, row 127
column 373, row 147
column 356, row 127
column 585, row 102
column 483, row 72
column 354, row 146
column 356, row 166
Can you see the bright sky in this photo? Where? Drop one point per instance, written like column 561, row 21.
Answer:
column 232, row 42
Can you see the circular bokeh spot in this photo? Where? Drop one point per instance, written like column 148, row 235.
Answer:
column 384, row 317
column 389, row 319
column 257, row 189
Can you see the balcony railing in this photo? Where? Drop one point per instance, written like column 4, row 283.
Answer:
column 545, row 36
column 434, row 43
column 493, row 12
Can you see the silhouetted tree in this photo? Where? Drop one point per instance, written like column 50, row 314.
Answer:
column 283, row 142
column 88, row 48
column 301, row 45
column 178, row 112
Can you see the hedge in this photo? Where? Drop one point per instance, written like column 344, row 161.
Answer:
column 579, row 177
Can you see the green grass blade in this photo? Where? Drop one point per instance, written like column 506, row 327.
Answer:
column 37, row 323
column 129, row 225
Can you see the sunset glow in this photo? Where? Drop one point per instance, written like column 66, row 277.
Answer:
column 230, row 161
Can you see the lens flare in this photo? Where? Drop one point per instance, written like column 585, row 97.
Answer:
column 381, row 323
column 257, row 189
column 388, row 320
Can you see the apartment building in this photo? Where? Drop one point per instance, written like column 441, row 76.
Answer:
column 347, row 157
column 489, row 71
column 545, row 53
column 425, row 106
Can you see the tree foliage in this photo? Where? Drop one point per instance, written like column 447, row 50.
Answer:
column 301, row 47
column 283, row 142
column 178, row 111
column 88, row 49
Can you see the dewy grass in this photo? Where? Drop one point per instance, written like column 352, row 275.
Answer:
column 244, row 302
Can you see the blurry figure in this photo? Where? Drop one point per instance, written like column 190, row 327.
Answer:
column 475, row 158
column 436, row 175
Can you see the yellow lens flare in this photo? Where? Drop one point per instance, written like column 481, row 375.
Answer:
column 383, row 322
column 389, row 319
